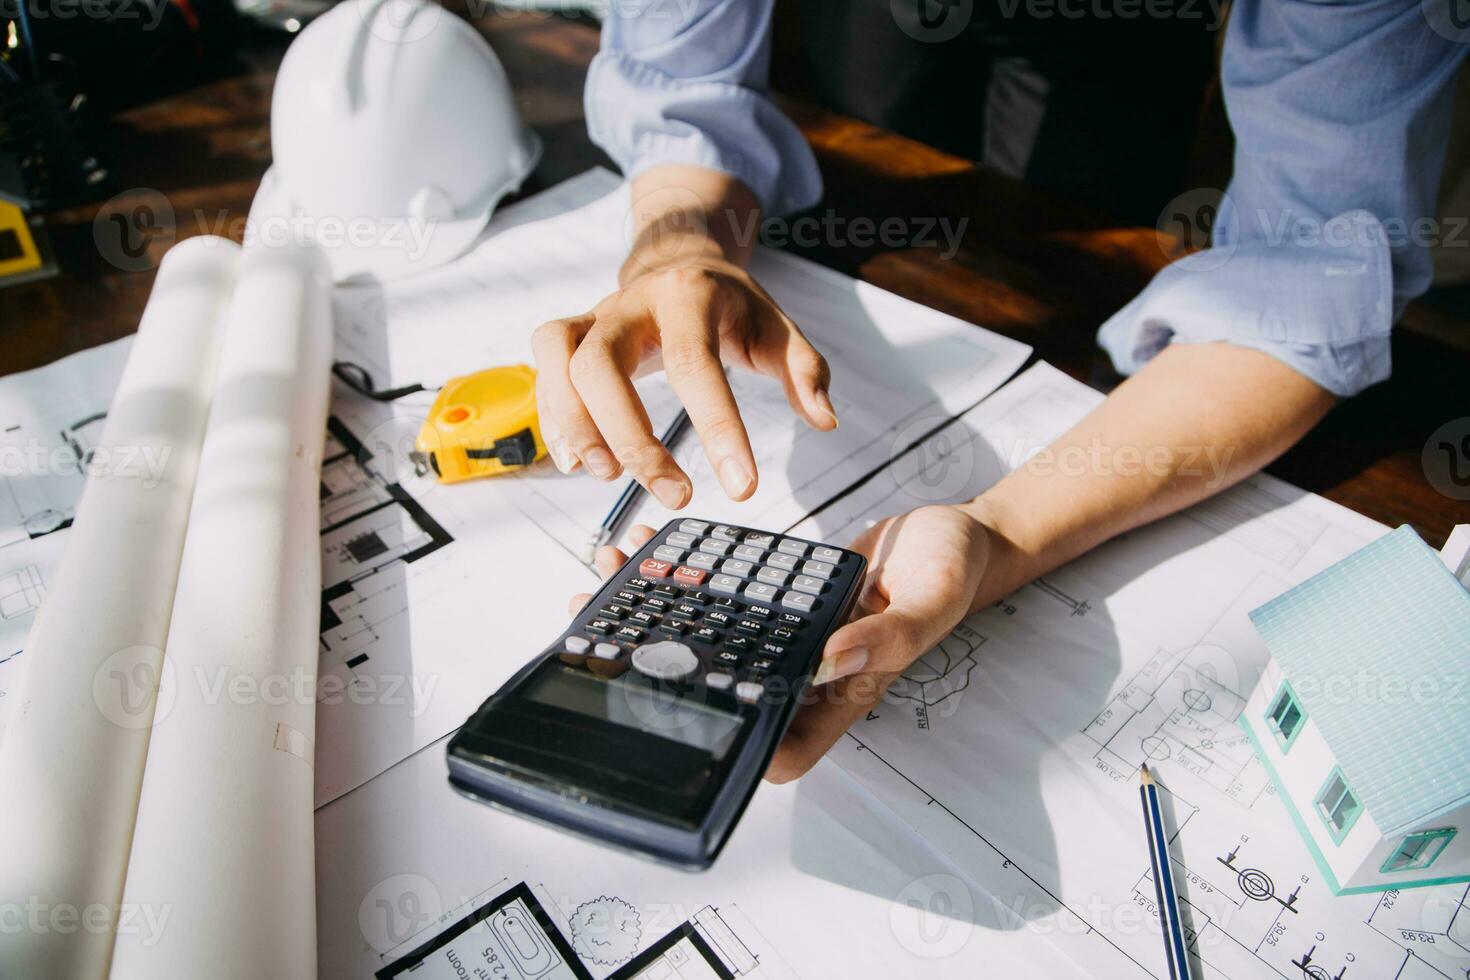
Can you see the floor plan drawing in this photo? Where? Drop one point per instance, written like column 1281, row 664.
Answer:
column 509, row 937
column 369, row 525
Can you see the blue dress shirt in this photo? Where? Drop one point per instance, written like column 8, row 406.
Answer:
column 1341, row 113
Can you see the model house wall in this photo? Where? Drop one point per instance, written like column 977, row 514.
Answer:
column 1353, row 861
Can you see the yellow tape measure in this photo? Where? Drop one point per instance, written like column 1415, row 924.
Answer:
column 482, row 424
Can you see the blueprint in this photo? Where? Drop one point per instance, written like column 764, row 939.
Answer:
column 1014, row 746
column 819, row 880
column 899, row 369
column 49, row 421
column 433, row 596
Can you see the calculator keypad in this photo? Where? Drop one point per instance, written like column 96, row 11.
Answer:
column 712, row 604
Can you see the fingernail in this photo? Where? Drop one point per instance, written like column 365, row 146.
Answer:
column 825, row 404
column 734, row 477
column 600, row 462
column 669, row 492
column 561, row 455
column 840, row 664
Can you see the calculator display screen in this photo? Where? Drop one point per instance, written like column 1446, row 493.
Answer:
column 636, row 706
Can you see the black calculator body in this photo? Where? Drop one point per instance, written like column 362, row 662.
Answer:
column 648, row 724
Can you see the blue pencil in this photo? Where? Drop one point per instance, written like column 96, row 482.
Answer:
column 1175, row 948
column 631, row 494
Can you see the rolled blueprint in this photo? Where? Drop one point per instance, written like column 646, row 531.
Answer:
column 224, row 841
column 71, row 757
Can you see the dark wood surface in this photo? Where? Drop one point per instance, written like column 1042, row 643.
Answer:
column 1041, row 270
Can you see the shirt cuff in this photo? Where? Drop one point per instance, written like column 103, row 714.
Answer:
column 1323, row 307
column 643, row 118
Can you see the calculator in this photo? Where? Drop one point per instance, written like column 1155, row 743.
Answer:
column 648, row 723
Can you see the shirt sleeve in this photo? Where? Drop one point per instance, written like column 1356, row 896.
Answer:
column 685, row 81
column 1341, row 113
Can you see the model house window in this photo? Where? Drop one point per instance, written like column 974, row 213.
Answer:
column 1285, row 717
column 1418, row 850
column 1337, row 806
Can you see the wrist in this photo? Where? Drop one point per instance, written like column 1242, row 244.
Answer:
column 1008, row 565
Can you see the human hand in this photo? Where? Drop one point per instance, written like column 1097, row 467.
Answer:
column 693, row 319
column 924, row 573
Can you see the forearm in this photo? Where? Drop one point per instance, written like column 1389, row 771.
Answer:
column 684, row 215
column 1194, row 421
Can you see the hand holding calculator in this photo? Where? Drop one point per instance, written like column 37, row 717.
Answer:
column 649, row 722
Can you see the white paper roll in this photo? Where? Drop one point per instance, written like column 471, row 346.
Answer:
column 224, row 839
column 71, row 758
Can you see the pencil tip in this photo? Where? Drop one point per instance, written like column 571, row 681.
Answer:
column 1144, row 776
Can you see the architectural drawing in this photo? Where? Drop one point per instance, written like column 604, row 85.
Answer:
column 938, row 675
column 369, row 525
column 512, row 936
column 606, row 931
column 702, row 948
column 21, row 590
column 1071, row 705
column 509, row 937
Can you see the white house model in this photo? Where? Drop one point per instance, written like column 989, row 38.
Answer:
column 1362, row 716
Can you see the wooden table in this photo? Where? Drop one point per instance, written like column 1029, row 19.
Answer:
column 1030, row 266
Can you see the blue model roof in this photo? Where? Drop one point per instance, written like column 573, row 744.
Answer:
column 1377, row 649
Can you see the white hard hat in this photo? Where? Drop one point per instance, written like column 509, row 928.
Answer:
column 394, row 135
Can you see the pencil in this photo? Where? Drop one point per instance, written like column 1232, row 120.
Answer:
column 631, row 494
column 1175, row 949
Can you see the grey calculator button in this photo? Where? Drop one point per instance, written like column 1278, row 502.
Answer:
column 806, row 583
column 665, row 660
column 712, row 547
column 748, row 552
column 760, row 592
column 734, row 566
column 749, row 691
column 772, row 576
column 693, row 527
column 607, row 651
column 788, row 546
column 819, row 569
column 680, row 539
column 719, row 680
column 799, row 601
column 701, row 560
column 759, row 539
column 665, row 553
column 787, row 562
column 822, row 553
column 725, row 533
column 578, row 644
column 728, row 584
